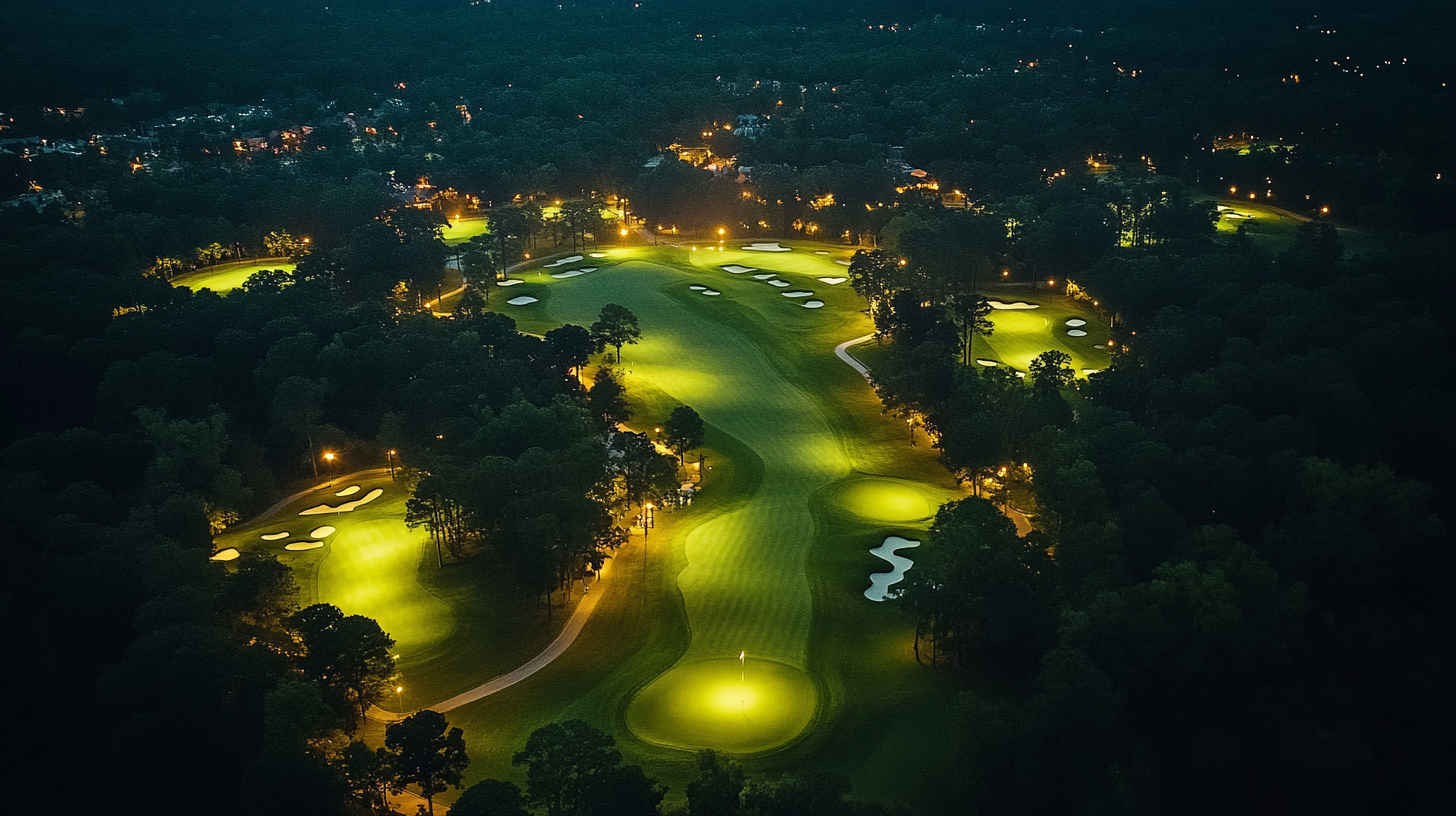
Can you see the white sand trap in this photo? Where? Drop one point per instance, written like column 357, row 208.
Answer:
column 1021, row 375
column 1076, row 333
column 697, row 287
column 1020, row 304
column 509, row 282
column 348, row 491
column 274, row 536
column 712, row 292
column 766, row 246
column 821, row 252
column 523, row 300
column 842, row 263
column 572, row 274
column 735, row 269
column 303, row 546
column 563, row 261
column 345, row 507
column 321, row 532
column 880, row 582
column 597, row 254
column 225, row 555
column 796, row 294
column 812, row 304
column 832, row 280
column 1087, row 371
column 987, row 363
column 1076, row 322
column 779, row 283
column 765, row 276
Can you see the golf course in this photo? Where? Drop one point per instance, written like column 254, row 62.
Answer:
column 226, row 277
column 742, row 622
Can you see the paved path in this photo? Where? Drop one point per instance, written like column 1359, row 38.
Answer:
column 842, row 352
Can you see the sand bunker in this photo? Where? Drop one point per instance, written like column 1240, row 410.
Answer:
column 563, row 261
column 572, row 274
column 821, row 252
column 779, row 283
column 274, row 536
column 523, row 300
column 321, row 532
column 765, row 276
column 302, row 546
column 1076, row 333
column 712, row 292
column 766, row 246
column 597, row 254
column 225, row 555
column 1020, row 375
column 1020, row 304
column 842, row 263
column 735, row 269
column 796, row 294
column 509, row 282
column 348, row 491
column 812, row 304
column 880, row 582
column 832, row 280
column 345, row 507
column 697, row 287
column 987, row 363
column 1087, row 371
column 1076, row 322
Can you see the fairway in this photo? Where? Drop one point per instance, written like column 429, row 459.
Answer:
column 460, row 230
column 229, row 276
column 749, row 362
column 1021, row 334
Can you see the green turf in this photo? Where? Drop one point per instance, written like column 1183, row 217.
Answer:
column 460, row 230
column 723, row 704
column 1020, row 335
column 229, row 276
column 1274, row 227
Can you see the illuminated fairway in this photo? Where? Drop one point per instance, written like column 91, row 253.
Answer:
column 737, row 360
column 1021, row 335
column 718, row 703
column 460, row 230
column 229, row 276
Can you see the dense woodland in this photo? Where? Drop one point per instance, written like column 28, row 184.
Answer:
column 1231, row 599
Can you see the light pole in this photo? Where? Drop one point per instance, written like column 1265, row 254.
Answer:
column 389, row 458
column 329, row 457
column 399, row 693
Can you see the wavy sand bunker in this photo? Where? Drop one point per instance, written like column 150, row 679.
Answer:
column 302, row 546
column 797, row 293
column 779, row 283
column 510, row 282
column 812, row 304
column 766, row 246
column 564, row 261
column 1020, row 304
column 229, row 554
column 345, row 507
column 735, row 269
column 880, row 582
column 1076, row 333
column 348, row 491
column 711, row 292
column 597, row 254
column 697, row 287
column 1076, row 322
column 821, row 252
column 523, row 300
column 832, row 280
column 842, row 263
column 321, row 532
column 765, row 276
column 987, row 363
column 274, row 536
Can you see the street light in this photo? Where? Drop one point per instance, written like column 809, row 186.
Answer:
column 399, row 692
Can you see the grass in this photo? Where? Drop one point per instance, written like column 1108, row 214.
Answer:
column 460, row 230
column 1274, row 227
column 772, row 559
column 1020, row 335
column 226, row 277
column 453, row 627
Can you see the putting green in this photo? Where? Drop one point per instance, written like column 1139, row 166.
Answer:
column 721, row 704
column 887, row 500
column 1022, row 334
column 229, row 276
column 460, row 230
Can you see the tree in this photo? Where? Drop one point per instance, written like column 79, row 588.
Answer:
column 421, row 751
column 718, row 788
column 490, row 797
column 970, row 314
column 571, row 347
column 616, row 326
column 607, row 399
column 366, row 773
column 348, row 656
column 1051, row 370
column 643, row 474
column 684, row 430
column 565, row 763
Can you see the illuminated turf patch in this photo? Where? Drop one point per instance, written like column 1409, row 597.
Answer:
column 880, row 582
column 274, row 536
column 880, row 498
column 745, row 708
column 348, row 491
column 228, row 554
